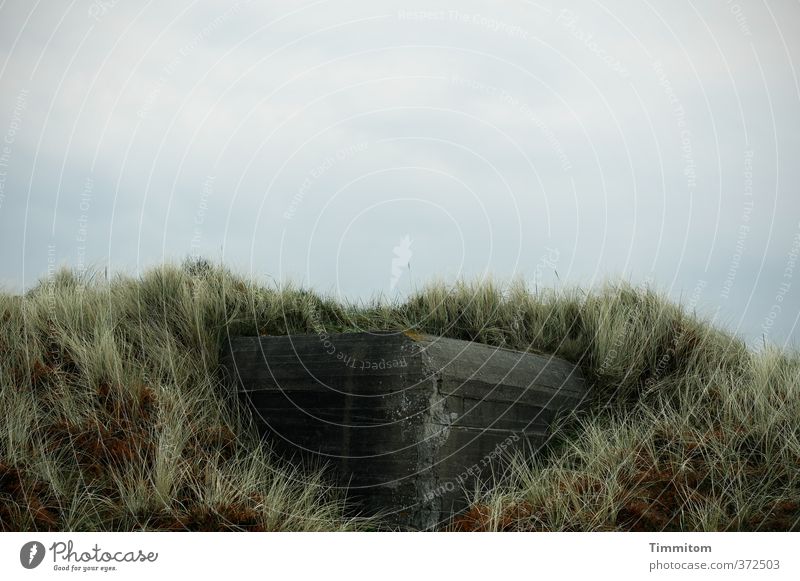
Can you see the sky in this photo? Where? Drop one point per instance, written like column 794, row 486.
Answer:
column 367, row 148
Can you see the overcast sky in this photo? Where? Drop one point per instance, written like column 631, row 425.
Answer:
column 365, row 148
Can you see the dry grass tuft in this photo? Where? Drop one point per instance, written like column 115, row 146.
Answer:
column 115, row 415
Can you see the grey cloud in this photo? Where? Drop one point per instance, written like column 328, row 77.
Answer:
column 624, row 167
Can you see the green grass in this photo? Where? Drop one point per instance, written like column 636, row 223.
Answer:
column 113, row 413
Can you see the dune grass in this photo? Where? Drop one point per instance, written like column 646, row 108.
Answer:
column 114, row 414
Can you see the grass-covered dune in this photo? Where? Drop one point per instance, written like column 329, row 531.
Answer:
column 114, row 416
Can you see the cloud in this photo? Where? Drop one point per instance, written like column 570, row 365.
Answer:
column 486, row 133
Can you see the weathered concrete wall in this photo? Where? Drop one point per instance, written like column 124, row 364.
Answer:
column 405, row 421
